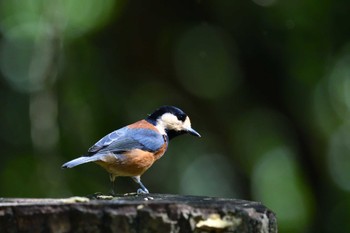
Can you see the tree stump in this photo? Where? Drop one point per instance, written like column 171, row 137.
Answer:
column 135, row 214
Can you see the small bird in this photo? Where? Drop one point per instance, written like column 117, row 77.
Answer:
column 131, row 150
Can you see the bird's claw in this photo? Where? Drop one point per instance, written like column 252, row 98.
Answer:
column 142, row 191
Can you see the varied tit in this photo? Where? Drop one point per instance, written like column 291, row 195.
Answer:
column 131, row 150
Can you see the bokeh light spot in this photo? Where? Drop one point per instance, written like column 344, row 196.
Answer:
column 339, row 157
column 17, row 56
column 71, row 18
column 339, row 84
column 276, row 182
column 81, row 18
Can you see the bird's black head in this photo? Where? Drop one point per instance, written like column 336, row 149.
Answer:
column 172, row 121
column 158, row 113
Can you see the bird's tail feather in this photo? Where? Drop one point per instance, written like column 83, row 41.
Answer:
column 80, row 160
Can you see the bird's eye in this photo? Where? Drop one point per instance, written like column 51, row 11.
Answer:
column 181, row 117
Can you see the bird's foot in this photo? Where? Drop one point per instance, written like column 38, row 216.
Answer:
column 142, row 191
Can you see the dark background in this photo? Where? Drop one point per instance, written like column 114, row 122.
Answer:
column 266, row 83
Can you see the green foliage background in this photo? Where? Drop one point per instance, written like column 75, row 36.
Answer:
column 266, row 83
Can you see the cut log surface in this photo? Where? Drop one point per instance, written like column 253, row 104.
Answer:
column 135, row 214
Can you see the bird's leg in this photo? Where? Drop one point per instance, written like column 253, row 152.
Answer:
column 112, row 178
column 143, row 189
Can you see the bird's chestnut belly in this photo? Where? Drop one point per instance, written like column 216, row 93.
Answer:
column 131, row 163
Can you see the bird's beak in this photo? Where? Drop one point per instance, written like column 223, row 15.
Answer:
column 193, row 132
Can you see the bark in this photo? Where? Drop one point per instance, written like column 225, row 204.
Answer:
column 135, row 214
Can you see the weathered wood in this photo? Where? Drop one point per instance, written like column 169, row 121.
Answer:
column 135, row 214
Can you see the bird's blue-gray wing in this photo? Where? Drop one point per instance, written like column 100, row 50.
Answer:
column 127, row 139
column 107, row 140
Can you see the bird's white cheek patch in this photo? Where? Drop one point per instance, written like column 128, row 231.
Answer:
column 187, row 123
column 169, row 121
